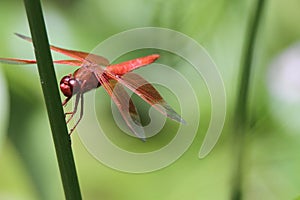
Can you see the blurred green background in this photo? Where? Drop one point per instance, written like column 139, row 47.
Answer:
column 28, row 167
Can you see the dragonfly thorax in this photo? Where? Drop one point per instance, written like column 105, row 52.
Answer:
column 69, row 86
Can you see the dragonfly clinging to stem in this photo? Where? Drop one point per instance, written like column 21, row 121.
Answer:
column 95, row 71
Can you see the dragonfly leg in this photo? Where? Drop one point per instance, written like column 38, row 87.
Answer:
column 75, row 108
column 81, row 113
column 66, row 101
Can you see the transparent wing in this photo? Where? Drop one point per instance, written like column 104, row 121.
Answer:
column 148, row 93
column 79, row 55
column 124, row 104
column 16, row 61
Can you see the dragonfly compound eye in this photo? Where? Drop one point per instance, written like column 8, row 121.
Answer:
column 69, row 86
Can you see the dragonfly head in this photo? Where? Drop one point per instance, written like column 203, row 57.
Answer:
column 69, row 86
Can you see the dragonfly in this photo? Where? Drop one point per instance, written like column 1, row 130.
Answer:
column 95, row 71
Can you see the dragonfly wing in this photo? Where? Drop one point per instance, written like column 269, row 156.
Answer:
column 68, row 62
column 79, row 55
column 16, row 61
column 124, row 104
column 127, row 66
column 148, row 93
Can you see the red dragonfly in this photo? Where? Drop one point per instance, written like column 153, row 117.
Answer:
column 95, row 71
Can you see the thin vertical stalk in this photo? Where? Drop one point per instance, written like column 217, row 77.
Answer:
column 52, row 99
column 241, row 114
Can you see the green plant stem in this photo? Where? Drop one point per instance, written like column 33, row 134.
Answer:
column 52, row 99
column 241, row 114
